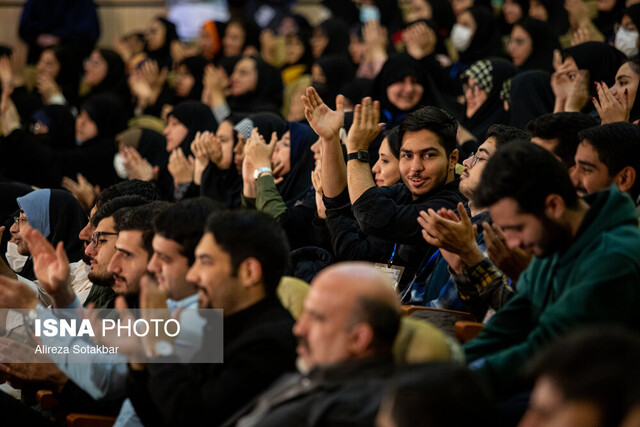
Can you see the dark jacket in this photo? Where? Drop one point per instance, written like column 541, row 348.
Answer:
column 348, row 241
column 594, row 281
column 343, row 394
column 258, row 348
column 390, row 214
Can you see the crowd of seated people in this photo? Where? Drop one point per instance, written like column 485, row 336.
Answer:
column 346, row 181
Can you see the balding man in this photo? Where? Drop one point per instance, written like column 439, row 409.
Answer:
column 345, row 334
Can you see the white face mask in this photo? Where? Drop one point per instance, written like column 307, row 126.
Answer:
column 461, row 37
column 369, row 13
column 626, row 42
column 14, row 259
column 118, row 165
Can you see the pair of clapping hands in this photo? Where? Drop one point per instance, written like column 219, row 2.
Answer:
column 455, row 235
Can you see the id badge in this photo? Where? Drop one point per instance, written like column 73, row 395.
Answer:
column 394, row 272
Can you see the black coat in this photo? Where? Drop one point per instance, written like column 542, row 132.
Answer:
column 258, row 349
column 390, row 214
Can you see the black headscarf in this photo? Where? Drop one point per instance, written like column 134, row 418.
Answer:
column 228, row 63
column 544, row 42
column 634, row 114
column 195, row 65
column 505, row 28
column 338, row 71
column 485, row 41
column 267, row 123
column 558, row 18
column 606, row 20
column 601, row 60
column 223, row 185
column 65, row 220
column 68, row 77
column 443, row 17
column 61, row 124
column 150, row 144
column 531, row 96
column 397, row 68
column 196, row 117
column 337, row 32
column 94, row 159
column 304, row 35
column 163, row 55
column 298, row 180
column 105, row 110
column 115, row 82
column 115, row 71
column 633, row 12
column 268, row 93
column 495, row 70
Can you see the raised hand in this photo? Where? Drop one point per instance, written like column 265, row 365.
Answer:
column 47, row 87
column 561, row 85
column 446, row 231
column 511, row 261
column 51, row 267
column 14, row 294
column 375, row 39
column 578, row 92
column 316, row 180
column 322, row 119
column 180, row 167
column 609, row 108
column 178, row 51
column 6, row 73
column 9, row 117
column 82, row 190
column 259, row 153
column 365, row 127
column 420, row 40
column 152, row 74
column 137, row 167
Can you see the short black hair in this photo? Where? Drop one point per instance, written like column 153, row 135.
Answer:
column 251, row 234
column 140, row 218
column 184, row 223
column 383, row 318
column 618, row 146
column 526, row 173
column 435, row 120
column 131, row 187
column 504, row 134
column 439, row 394
column 564, row 127
column 597, row 364
column 110, row 207
column 394, row 142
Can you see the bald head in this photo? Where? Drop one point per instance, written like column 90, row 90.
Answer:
column 351, row 312
column 353, row 280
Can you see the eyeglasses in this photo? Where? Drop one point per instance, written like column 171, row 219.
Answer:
column 475, row 89
column 475, row 158
column 17, row 220
column 95, row 237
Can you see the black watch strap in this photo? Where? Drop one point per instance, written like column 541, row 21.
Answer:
column 361, row 155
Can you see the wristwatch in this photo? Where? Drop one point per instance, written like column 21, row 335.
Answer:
column 361, row 155
column 258, row 172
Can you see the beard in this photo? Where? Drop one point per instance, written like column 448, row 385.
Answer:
column 101, row 280
column 555, row 238
column 86, row 258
